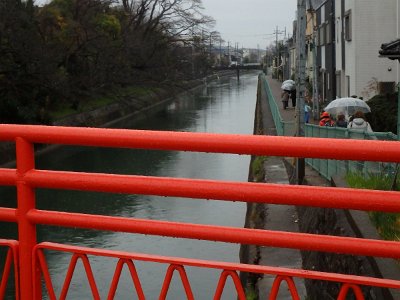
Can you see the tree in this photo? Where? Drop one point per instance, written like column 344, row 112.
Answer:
column 25, row 65
column 69, row 49
column 152, row 29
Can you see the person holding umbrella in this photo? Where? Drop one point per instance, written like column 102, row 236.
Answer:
column 341, row 120
column 287, row 86
column 326, row 120
column 293, row 97
column 285, row 98
column 358, row 122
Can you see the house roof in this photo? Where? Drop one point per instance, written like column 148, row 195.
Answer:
column 390, row 50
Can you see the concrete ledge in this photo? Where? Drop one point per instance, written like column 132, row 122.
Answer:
column 363, row 228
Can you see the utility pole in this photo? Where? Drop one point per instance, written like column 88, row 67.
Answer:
column 300, row 82
column 276, row 32
column 315, row 103
column 229, row 54
column 220, row 51
column 277, row 52
column 237, row 61
column 210, row 45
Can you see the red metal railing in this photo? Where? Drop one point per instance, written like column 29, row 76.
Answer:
column 29, row 259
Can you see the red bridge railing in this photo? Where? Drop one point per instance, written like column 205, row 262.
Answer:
column 27, row 256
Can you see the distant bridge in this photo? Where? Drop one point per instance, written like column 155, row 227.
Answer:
column 248, row 66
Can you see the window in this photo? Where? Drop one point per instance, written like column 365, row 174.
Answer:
column 347, row 25
column 327, row 32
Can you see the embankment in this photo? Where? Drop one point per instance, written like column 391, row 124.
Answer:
column 324, row 221
column 128, row 108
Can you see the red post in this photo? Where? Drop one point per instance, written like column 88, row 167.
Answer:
column 26, row 230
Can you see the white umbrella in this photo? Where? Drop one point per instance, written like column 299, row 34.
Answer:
column 289, row 81
column 288, row 86
column 347, row 106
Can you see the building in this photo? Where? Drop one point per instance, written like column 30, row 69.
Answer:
column 362, row 26
column 326, row 48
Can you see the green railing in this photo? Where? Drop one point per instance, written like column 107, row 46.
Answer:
column 283, row 128
column 326, row 167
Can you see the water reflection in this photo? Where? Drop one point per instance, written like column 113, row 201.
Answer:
column 221, row 107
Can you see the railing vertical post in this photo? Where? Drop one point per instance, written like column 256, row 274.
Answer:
column 26, row 230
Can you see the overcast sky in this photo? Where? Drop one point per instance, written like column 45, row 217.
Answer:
column 252, row 22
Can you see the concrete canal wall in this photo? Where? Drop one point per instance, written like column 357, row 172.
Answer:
column 316, row 221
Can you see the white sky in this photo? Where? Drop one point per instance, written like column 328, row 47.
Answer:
column 252, row 22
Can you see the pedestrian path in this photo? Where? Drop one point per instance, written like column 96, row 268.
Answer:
column 286, row 114
column 289, row 114
column 278, row 217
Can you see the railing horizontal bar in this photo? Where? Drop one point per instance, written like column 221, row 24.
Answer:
column 10, row 243
column 345, row 198
column 386, row 151
column 353, row 279
column 259, row 237
column 8, row 214
column 8, row 176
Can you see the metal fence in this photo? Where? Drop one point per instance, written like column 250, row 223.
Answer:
column 283, row 128
column 31, row 269
column 328, row 168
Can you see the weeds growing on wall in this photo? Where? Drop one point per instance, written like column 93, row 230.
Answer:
column 257, row 168
column 387, row 224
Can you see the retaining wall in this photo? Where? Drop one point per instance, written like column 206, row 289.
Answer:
column 322, row 221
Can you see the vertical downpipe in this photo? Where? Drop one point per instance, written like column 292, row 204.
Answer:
column 26, row 230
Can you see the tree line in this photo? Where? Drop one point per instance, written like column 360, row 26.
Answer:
column 66, row 50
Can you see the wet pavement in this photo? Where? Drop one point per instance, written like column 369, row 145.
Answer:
column 279, row 217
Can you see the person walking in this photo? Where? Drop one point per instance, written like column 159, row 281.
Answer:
column 341, row 121
column 359, row 123
column 293, row 97
column 307, row 110
column 285, row 99
column 326, row 120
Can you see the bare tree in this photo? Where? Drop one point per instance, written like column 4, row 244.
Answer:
column 172, row 17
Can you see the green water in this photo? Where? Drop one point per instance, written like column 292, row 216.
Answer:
column 223, row 106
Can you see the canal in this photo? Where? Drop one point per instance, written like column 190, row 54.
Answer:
column 223, row 106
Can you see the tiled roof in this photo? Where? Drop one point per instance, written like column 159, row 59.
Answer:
column 391, row 50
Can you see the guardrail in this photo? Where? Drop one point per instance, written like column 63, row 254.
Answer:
column 283, row 128
column 30, row 263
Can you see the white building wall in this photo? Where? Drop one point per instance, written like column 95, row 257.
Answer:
column 341, row 77
column 338, row 52
column 373, row 23
column 350, row 48
column 376, row 23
